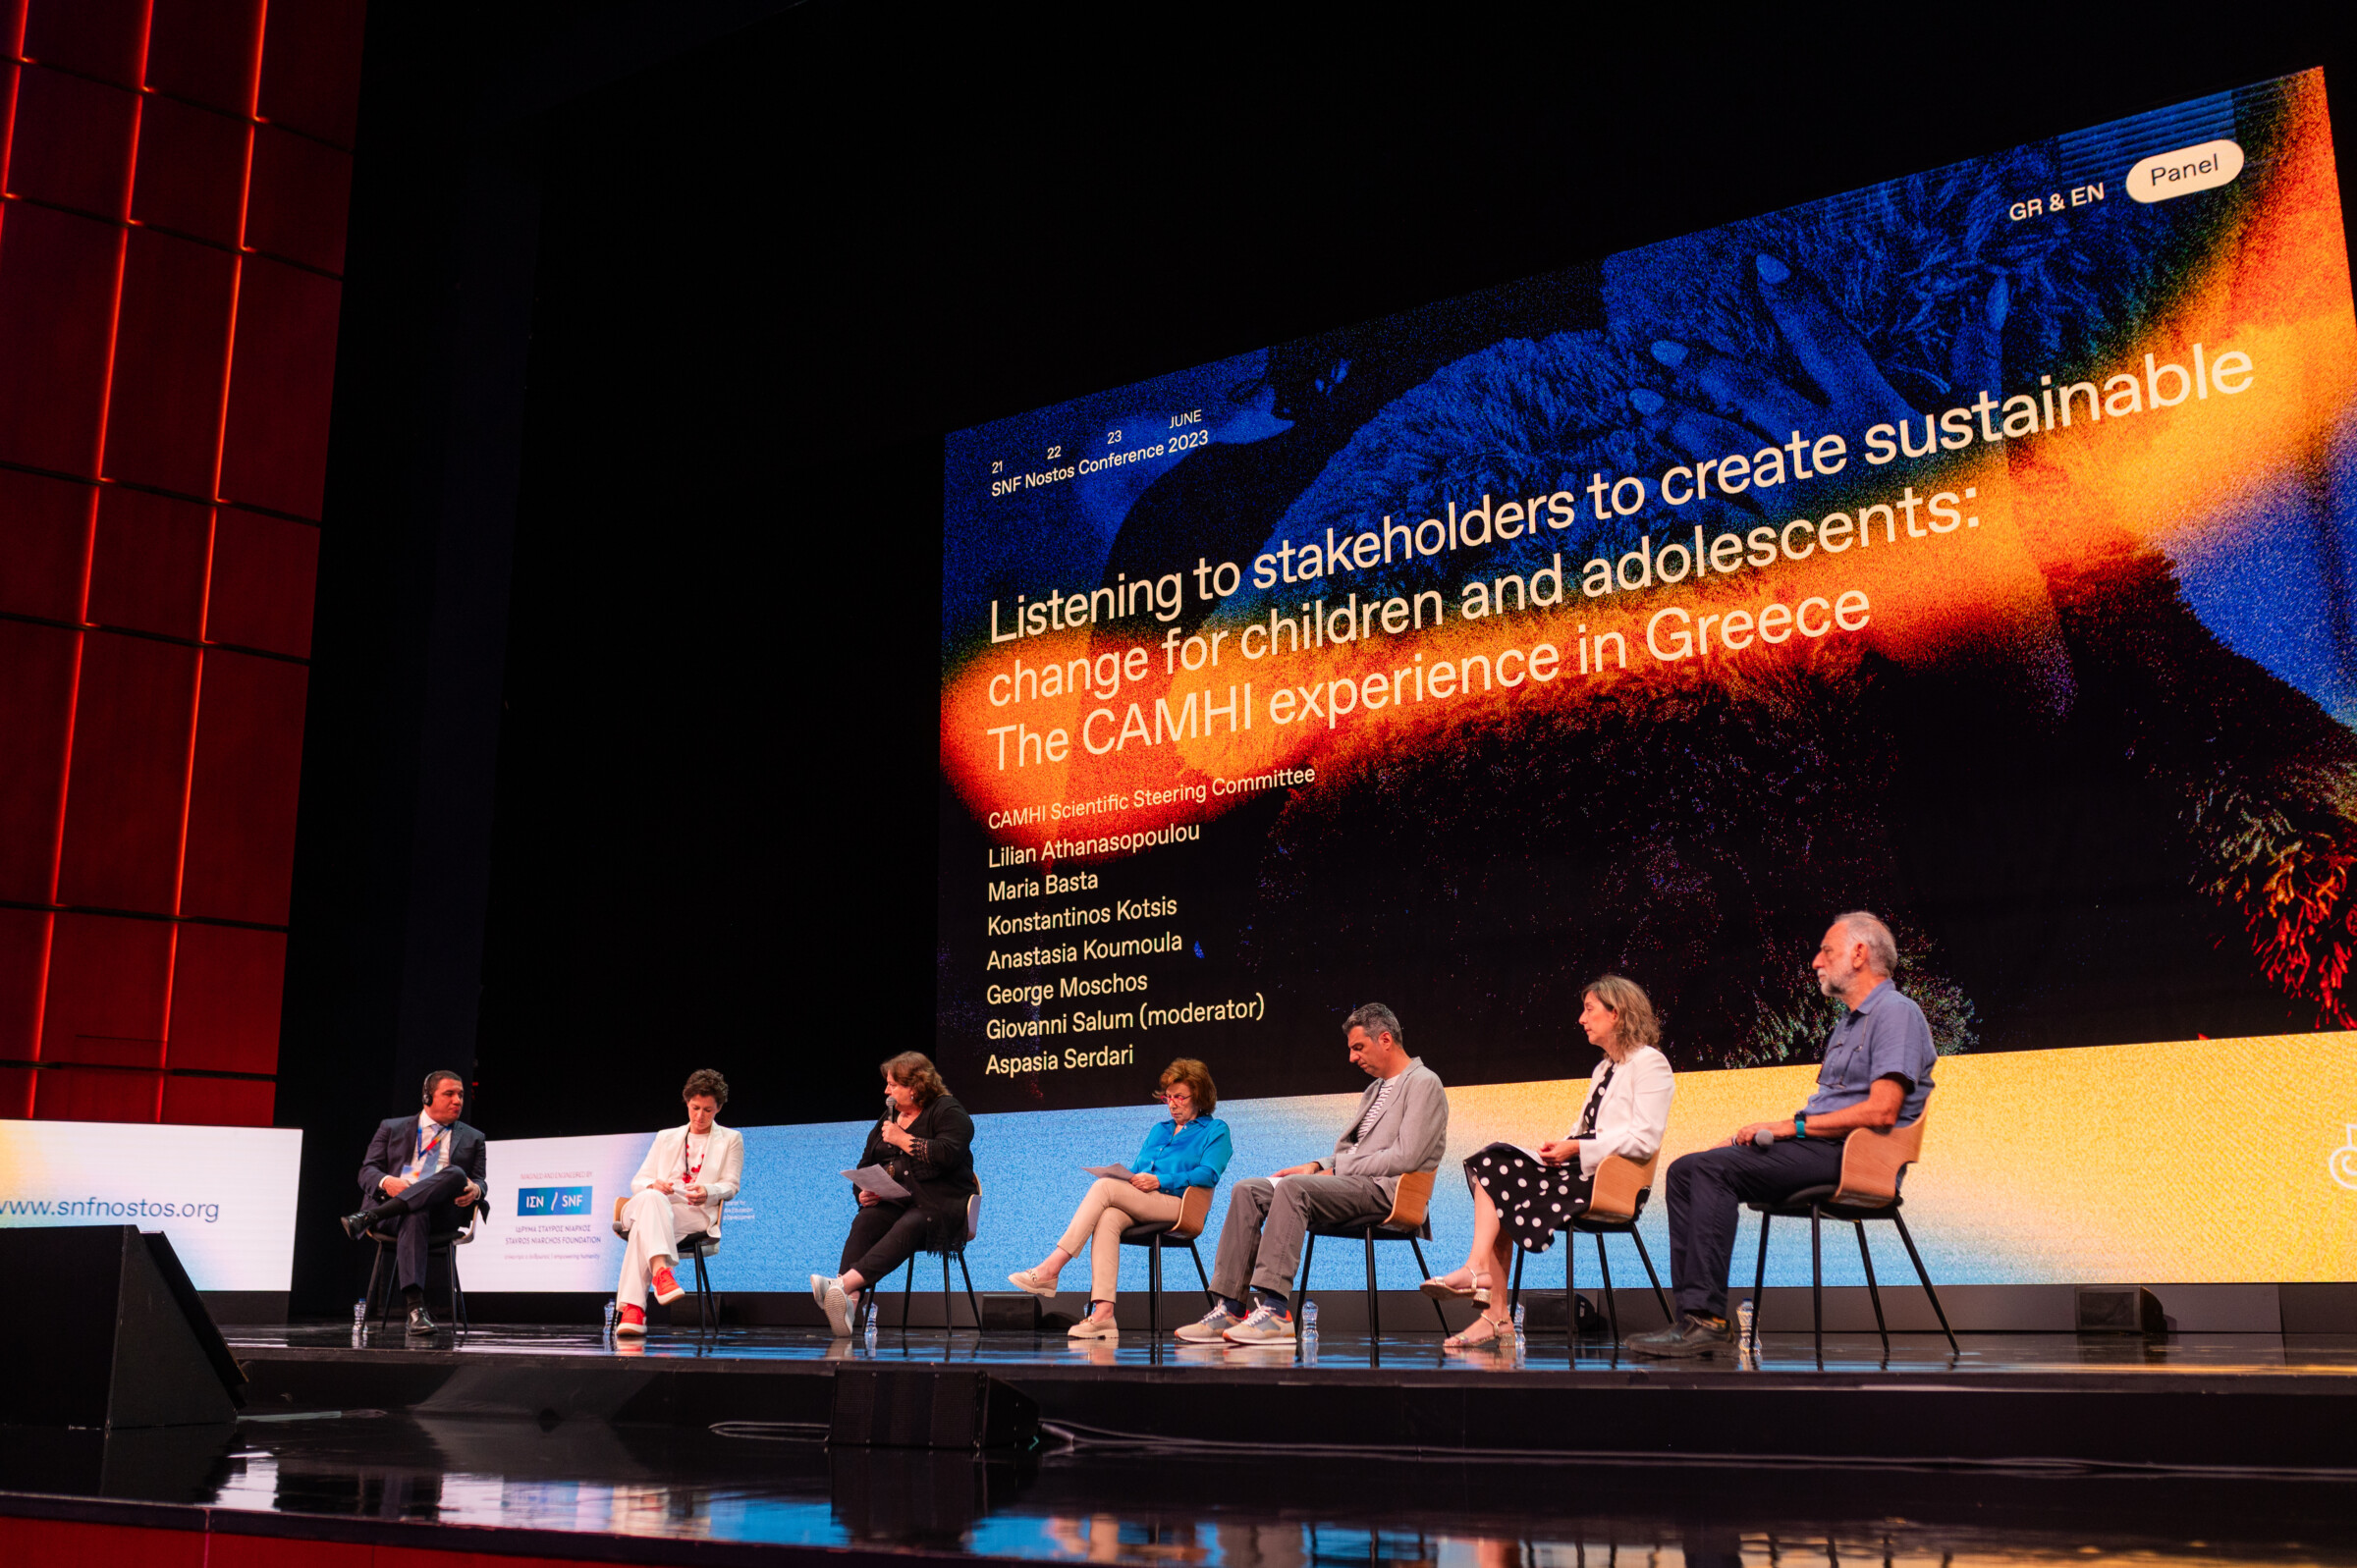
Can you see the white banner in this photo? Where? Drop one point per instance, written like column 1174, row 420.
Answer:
column 552, row 1213
column 224, row 1195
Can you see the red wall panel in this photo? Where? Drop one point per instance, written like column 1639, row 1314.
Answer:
column 45, row 523
column 57, row 305
column 218, row 1101
column 171, row 343
column 226, row 985
column 264, row 569
column 132, row 344
column 36, row 687
column 148, row 565
column 22, row 936
column 312, row 68
column 107, row 978
column 96, row 37
column 95, row 1094
column 300, row 190
column 240, row 855
column 204, row 50
column 275, row 453
column 73, row 142
column 127, row 779
column 192, row 167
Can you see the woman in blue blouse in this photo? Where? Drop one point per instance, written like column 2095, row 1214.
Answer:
column 1189, row 1150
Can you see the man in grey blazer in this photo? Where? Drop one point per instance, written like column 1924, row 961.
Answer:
column 1401, row 1125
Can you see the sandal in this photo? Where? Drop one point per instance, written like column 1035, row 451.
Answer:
column 1485, row 1330
column 1443, row 1287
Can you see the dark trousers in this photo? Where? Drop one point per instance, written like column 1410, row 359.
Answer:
column 1707, row 1191
column 420, row 1211
column 885, row 1234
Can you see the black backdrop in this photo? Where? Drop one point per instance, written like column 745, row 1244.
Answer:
column 675, row 303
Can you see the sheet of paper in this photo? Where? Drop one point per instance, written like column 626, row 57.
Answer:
column 1117, row 1172
column 878, row 1181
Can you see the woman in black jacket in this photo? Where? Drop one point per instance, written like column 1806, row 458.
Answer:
column 926, row 1141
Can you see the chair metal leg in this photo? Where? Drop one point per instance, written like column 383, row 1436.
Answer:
column 1417, row 1248
column 1514, row 1297
column 908, row 1291
column 1921, row 1273
column 1759, row 1291
column 1374, row 1304
column 1154, row 1287
column 1873, row 1291
column 1208, row 1299
column 1309, row 1250
column 971, row 1305
column 1816, row 1280
column 1611, row 1307
column 458, row 1292
column 376, row 1267
column 704, row 1294
column 1646, row 1258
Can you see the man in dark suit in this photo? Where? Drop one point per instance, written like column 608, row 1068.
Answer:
column 421, row 1176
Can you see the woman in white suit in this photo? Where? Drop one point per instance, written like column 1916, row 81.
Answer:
column 1524, row 1197
column 689, row 1174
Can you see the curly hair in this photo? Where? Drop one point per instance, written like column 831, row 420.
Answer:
column 706, row 1081
column 1197, row 1078
column 916, row 1070
column 1633, row 1017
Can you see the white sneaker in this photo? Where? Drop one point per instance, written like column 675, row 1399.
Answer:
column 834, row 1303
column 1030, row 1280
column 1211, row 1328
column 1093, row 1327
column 1263, row 1328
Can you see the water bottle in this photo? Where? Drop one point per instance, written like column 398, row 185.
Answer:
column 1521, row 1333
column 359, row 1313
column 1743, row 1323
column 612, row 1312
column 872, row 1317
column 1309, row 1318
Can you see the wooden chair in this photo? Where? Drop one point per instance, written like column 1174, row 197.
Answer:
column 444, row 1246
column 698, row 1245
column 1405, row 1222
column 1616, row 1202
column 973, row 1228
column 1153, row 1235
column 1874, row 1162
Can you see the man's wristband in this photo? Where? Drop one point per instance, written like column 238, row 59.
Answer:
column 1800, row 1125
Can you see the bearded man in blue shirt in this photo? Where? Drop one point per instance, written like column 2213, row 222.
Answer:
column 1877, row 1073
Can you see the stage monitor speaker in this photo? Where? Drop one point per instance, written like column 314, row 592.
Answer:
column 138, row 1349
column 925, row 1407
column 2120, row 1310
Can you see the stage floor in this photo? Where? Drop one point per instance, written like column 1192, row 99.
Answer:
column 2239, row 1355
column 2020, row 1448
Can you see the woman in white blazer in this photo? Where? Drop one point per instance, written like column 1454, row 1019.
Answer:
column 1524, row 1197
column 686, row 1175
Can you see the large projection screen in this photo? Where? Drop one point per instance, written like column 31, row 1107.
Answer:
column 1975, row 548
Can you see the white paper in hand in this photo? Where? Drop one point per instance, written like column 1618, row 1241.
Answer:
column 877, row 1180
column 1117, row 1172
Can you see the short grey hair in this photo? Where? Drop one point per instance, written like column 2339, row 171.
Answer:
column 1882, row 947
column 1377, row 1019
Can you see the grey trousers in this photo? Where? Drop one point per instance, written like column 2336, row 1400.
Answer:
column 1261, row 1243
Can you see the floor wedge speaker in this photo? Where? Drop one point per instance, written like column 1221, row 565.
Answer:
column 929, row 1407
column 136, row 1349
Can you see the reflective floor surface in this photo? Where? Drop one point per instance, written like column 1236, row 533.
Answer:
column 1909, row 1353
column 755, row 1485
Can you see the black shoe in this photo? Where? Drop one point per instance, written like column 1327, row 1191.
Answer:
column 1688, row 1337
column 356, row 1225
column 421, row 1322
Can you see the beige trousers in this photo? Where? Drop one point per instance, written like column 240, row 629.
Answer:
column 1110, row 1207
column 657, row 1222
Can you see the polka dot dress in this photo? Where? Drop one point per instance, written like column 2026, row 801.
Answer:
column 1533, row 1200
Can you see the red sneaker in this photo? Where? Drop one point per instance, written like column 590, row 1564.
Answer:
column 667, row 1288
column 634, row 1320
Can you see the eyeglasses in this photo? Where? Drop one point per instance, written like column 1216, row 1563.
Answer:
column 1165, row 1096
